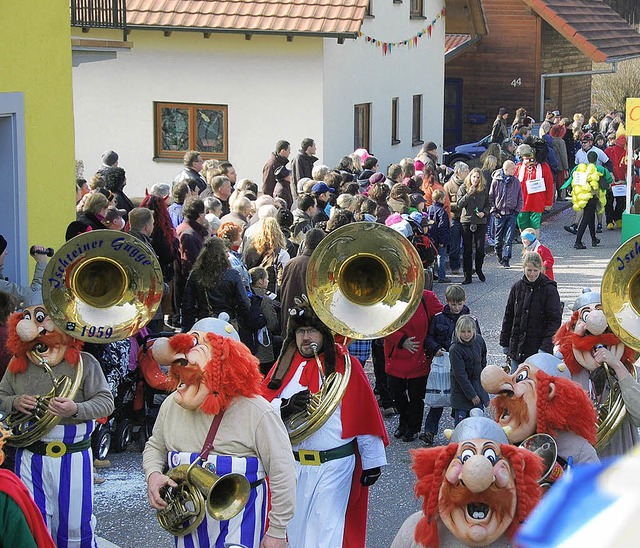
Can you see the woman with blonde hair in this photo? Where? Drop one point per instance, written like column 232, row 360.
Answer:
column 473, row 202
column 267, row 248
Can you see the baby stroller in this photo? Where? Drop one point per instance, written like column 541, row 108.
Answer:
column 118, row 360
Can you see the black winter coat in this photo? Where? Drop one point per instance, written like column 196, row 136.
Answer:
column 467, row 362
column 228, row 296
column 532, row 316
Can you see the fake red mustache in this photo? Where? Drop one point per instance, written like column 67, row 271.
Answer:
column 51, row 339
column 516, row 408
column 587, row 343
column 458, row 496
column 190, row 374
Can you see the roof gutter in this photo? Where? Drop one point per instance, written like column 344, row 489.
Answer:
column 544, row 77
column 337, row 35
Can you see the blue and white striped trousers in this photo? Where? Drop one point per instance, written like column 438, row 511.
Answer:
column 63, row 487
column 247, row 528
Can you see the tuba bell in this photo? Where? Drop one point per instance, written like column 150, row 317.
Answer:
column 364, row 281
column 620, row 294
column 100, row 286
column 546, row 448
column 200, row 489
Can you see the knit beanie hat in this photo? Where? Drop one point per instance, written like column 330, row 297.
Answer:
column 302, row 315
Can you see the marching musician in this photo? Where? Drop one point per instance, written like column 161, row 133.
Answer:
column 337, row 463
column 217, row 413
column 586, row 343
column 20, row 292
column 57, row 468
column 539, row 397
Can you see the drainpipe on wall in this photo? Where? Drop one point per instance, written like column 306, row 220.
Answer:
column 544, row 77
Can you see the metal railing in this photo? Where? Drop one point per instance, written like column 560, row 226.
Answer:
column 105, row 14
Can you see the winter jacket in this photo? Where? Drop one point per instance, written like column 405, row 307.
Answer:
column 451, row 187
column 228, row 296
column 539, row 200
column 441, row 329
column 505, row 194
column 532, row 316
column 302, row 166
column 192, row 178
column 85, row 221
column 552, row 159
column 428, row 193
column 473, row 203
column 399, row 362
column 268, row 172
column 499, row 131
column 191, row 235
column 468, row 359
column 440, row 230
column 560, row 149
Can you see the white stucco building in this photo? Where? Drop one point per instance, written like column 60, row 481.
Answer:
column 307, row 72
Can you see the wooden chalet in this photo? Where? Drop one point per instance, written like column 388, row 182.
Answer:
column 528, row 44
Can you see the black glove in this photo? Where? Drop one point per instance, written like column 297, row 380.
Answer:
column 370, row 476
column 294, row 404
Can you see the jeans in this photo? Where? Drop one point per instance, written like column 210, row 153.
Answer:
column 505, row 228
column 408, row 396
column 459, row 415
column 432, row 422
column 442, row 262
column 454, row 246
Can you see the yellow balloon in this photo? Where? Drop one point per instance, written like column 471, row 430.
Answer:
column 576, row 207
column 581, row 167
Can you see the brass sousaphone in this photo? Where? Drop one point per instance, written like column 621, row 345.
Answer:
column 620, row 294
column 364, row 281
column 100, row 286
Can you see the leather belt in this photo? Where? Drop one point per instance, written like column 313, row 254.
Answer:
column 316, row 458
column 57, row 449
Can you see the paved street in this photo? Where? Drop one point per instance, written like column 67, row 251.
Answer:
column 125, row 519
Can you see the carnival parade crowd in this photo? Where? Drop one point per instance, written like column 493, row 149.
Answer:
column 242, row 354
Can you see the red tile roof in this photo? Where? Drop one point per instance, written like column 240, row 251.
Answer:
column 455, row 44
column 592, row 26
column 315, row 17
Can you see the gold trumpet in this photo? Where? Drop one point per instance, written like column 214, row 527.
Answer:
column 364, row 281
column 620, row 294
column 200, row 489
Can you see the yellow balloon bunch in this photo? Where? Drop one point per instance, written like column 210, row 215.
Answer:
column 582, row 192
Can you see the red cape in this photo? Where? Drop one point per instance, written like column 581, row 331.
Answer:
column 12, row 486
column 360, row 415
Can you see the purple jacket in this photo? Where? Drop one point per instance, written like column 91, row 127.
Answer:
column 505, row 194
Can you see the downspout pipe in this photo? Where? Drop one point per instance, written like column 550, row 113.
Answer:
column 545, row 77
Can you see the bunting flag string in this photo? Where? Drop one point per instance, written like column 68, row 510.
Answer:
column 410, row 43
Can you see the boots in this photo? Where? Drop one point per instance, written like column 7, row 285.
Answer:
column 467, row 278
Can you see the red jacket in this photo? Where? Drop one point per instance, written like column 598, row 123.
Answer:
column 399, row 362
column 536, row 203
column 547, row 260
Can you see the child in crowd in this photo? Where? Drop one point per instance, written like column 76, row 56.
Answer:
column 468, row 354
column 438, row 341
column 531, row 243
column 440, row 232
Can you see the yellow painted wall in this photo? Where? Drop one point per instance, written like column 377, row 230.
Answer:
column 35, row 58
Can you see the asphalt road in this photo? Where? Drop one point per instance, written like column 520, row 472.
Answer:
column 125, row 519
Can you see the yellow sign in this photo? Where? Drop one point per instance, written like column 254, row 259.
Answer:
column 633, row 116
